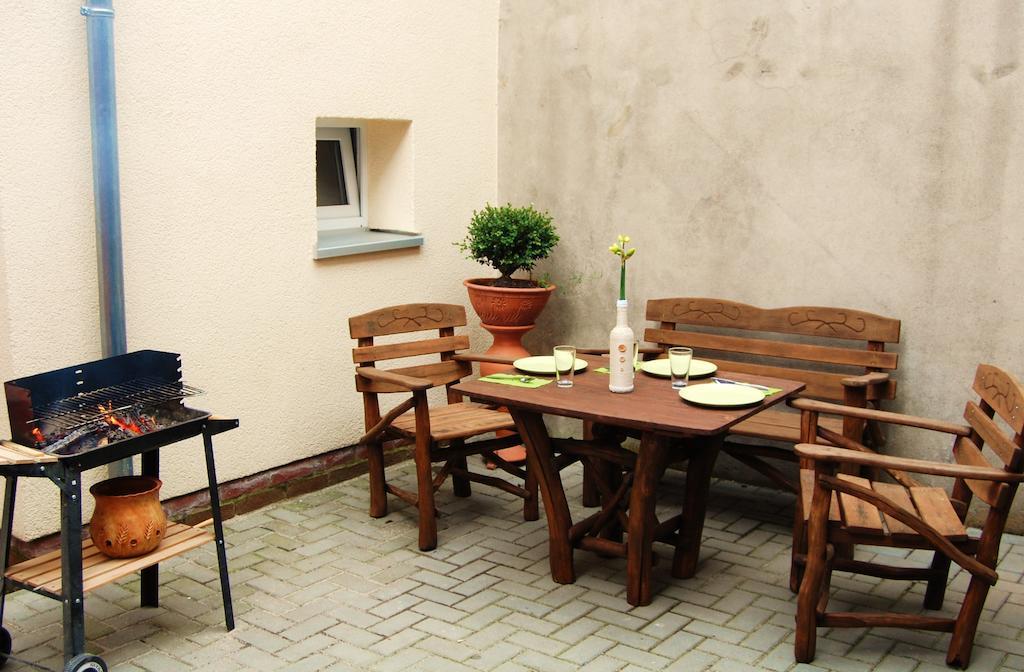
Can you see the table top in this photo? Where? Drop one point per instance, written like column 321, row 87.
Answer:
column 652, row 406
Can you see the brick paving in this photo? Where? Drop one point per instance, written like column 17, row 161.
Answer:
column 320, row 586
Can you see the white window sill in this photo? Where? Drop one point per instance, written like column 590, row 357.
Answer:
column 344, row 242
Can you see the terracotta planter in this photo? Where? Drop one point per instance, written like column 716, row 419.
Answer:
column 507, row 313
column 506, row 306
column 128, row 520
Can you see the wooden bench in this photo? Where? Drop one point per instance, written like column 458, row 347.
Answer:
column 838, row 353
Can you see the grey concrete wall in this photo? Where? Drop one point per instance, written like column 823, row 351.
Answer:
column 862, row 154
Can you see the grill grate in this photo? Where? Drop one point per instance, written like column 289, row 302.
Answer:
column 84, row 408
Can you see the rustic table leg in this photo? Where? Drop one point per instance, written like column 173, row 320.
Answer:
column 538, row 460
column 703, row 451
column 650, row 465
column 591, row 496
column 609, row 472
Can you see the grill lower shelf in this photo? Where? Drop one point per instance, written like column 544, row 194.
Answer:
column 43, row 573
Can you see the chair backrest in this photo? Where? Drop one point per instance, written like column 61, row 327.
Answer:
column 1001, row 396
column 404, row 319
column 817, row 345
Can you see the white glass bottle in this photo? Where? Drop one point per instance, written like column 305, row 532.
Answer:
column 620, row 351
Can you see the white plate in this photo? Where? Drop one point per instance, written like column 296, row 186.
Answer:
column 659, row 367
column 543, row 364
column 722, row 396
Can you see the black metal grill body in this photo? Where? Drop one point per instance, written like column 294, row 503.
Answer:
column 68, row 396
column 73, row 397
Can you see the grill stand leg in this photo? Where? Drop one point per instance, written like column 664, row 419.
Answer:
column 71, row 561
column 218, row 531
column 6, row 527
column 150, row 576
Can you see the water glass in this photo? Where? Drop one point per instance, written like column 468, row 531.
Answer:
column 679, row 365
column 565, row 365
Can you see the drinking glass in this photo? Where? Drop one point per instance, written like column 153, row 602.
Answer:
column 565, row 364
column 679, row 365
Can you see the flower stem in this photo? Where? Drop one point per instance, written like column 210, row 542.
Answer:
column 622, row 281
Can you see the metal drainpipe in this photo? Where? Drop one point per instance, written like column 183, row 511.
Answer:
column 106, row 184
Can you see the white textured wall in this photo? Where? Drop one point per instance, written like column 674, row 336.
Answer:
column 217, row 106
column 863, row 154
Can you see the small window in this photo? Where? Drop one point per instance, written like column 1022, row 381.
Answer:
column 338, row 179
column 359, row 161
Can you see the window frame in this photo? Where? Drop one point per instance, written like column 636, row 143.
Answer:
column 353, row 215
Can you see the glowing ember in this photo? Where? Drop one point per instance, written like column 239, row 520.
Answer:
column 114, row 421
column 38, row 436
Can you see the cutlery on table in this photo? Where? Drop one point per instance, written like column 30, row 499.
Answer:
column 512, row 376
column 727, row 381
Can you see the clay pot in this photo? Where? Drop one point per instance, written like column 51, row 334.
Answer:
column 506, row 306
column 507, row 313
column 128, row 520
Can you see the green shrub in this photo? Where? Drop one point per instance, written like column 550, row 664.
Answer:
column 509, row 239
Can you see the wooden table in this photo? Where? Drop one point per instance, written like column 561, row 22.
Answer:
column 669, row 429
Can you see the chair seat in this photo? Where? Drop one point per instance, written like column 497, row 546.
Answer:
column 856, row 516
column 456, row 421
column 780, row 426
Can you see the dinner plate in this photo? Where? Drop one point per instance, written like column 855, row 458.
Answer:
column 721, row 396
column 659, row 368
column 543, row 364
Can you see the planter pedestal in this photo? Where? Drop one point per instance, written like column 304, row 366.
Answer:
column 508, row 342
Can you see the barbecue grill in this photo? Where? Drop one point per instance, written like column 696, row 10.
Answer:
column 70, row 420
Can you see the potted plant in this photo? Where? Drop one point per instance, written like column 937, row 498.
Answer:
column 509, row 239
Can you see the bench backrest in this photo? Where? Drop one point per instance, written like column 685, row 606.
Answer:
column 814, row 344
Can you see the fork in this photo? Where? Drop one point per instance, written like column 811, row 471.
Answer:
column 513, row 376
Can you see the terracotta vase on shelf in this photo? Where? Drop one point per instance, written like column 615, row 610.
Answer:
column 128, row 520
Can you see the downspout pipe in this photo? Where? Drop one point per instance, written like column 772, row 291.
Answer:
column 106, row 184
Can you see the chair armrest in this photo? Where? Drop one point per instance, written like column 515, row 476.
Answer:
column 816, row 406
column 866, row 380
column 487, row 359
column 818, row 453
column 411, row 383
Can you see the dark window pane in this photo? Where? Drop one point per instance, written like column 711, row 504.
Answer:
column 330, row 180
column 355, row 146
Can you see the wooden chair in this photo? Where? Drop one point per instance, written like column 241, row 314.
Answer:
column 438, row 433
column 839, row 353
column 838, row 510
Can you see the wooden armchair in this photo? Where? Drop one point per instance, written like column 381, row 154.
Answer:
column 439, row 433
column 837, row 511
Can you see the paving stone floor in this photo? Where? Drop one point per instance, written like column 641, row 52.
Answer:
column 320, row 586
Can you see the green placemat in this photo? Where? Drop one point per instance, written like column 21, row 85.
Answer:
column 604, row 369
column 516, row 380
